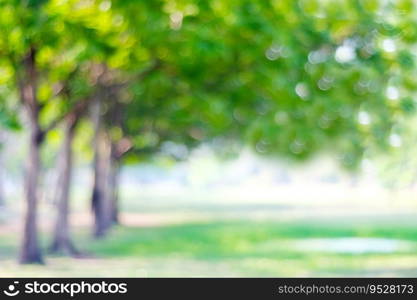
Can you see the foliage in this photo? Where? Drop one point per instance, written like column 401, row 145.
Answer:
column 289, row 78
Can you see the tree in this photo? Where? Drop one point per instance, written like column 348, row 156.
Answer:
column 89, row 67
column 31, row 58
column 151, row 89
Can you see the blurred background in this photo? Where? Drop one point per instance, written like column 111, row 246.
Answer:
column 176, row 138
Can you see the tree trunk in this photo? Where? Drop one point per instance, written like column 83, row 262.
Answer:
column 62, row 242
column 30, row 251
column 96, row 194
column 100, row 201
column 114, row 174
column 117, row 149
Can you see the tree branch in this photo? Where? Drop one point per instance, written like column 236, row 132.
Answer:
column 157, row 63
column 81, row 106
column 78, row 109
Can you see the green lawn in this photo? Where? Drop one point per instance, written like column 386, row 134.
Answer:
column 230, row 248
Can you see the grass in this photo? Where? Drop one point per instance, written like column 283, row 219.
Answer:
column 206, row 234
column 227, row 248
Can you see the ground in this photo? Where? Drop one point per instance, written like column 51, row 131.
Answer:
column 235, row 238
column 227, row 249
